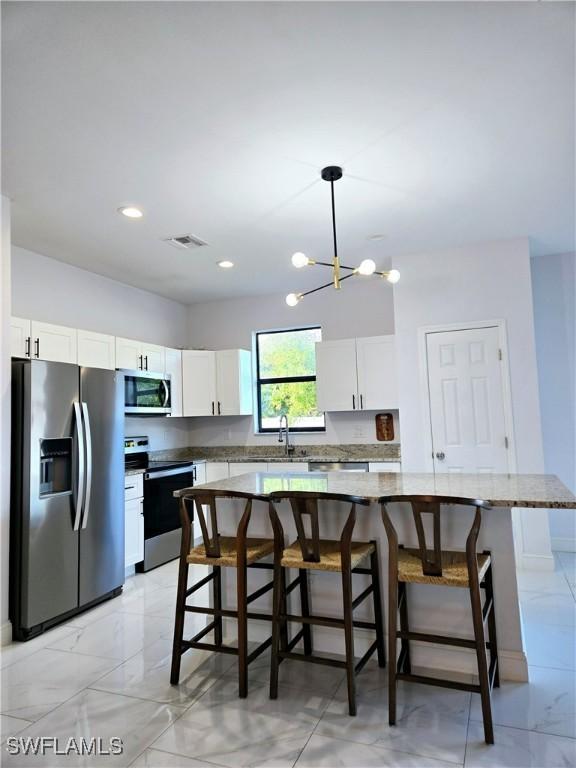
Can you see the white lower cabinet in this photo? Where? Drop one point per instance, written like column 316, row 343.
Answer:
column 243, row 467
column 133, row 531
column 216, row 470
column 384, row 466
column 288, row 466
column 200, row 475
column 96, row 350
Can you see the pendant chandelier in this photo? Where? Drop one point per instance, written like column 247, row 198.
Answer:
column 366, row 267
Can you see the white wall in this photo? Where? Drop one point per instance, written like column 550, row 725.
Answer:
column 485, row 281
column 554, row 290
column 5, row 630
column 49, row 290
column 364, row 308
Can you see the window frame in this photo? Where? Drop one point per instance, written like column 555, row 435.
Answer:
column 281, row 380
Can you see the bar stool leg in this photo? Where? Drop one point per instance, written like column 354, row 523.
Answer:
column 392, row 635
column 283, row 610
column 277, row 602
column 378, row 618
column 242, row 578
column 179, row 621
column 405, row 644
column 305, row 606
column 349, row 637
column 492, row 626
column 217, row 595
column 478, row 623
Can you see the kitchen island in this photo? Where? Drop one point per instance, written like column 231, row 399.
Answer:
column 432, row 609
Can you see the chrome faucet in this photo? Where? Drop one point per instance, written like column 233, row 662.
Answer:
column 289, row 449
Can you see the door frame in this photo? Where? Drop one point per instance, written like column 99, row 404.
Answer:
column 505, row 374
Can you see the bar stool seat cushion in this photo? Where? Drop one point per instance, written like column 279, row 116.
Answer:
column 256, row 549
column 454, row 568
column 330, row 558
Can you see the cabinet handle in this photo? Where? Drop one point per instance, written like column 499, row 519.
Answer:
column 353, row 402
column 361, row 403
column 129, row 487
column 212, row 407
column 141, row 362
column 146, row 360
column 37, row 345
column 219, row 412
column 27, row 348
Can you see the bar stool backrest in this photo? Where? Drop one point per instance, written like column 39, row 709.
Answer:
column 431, row 557
column 305, row 504
column 207, row 498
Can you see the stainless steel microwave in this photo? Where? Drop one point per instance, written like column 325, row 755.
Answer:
column 147, row 393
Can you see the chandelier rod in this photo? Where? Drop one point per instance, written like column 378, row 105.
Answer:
column 326, row 285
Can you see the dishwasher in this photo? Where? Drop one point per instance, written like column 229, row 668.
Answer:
column 338, row 466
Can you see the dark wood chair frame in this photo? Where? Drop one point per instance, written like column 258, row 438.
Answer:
column 211, row 543
column 304, row 504
column 488, row 674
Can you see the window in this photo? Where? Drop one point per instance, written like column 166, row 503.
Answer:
column 286, row 379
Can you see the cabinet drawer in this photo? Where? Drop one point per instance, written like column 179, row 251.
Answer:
column 384, row 466
column 133, row 487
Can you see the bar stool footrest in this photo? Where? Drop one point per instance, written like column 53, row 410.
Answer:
column 440, row 682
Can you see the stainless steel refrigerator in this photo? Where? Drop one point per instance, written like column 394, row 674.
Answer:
column 67, row 495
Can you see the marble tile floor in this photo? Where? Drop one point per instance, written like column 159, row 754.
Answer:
column 106, row 673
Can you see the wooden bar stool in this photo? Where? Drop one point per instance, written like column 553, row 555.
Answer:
column 467, row 569
column 239, row 552
column 310, row 552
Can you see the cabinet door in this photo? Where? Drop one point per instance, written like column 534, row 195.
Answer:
column 128, row 354
column 216, row 470
column 20, row 340
column 174, row 368
column 200, row 476
column 288, row 466
column 133, row 531
column 198, row 382
column 384, row 466
column 336, row 380
column 96, row 350
column 56, row 343
column 242, row 467
column 154, row 358
column 233, row 382
column 376, row 363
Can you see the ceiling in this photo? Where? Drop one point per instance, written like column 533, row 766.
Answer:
column 454, row 123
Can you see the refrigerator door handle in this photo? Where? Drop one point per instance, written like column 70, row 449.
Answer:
column 81, row 465
column 88, row 444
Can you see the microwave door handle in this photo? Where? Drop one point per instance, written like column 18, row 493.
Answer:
column 88, row 444
column 81, row 465
column 166, row 393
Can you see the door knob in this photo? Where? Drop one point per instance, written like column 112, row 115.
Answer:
column 440, row 455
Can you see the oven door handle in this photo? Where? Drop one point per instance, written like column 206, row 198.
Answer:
column 168, row 472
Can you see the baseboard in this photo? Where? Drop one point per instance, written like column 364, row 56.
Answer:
column 527, row 562
column 560, row 544
column 6, row 633
column 513, row 664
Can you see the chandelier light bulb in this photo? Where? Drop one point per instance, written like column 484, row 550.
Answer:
column 367, row 267
column 393, row 276
column 300, row 260
column 293, row 298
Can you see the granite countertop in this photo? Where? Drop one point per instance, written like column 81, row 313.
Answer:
column 275, row 453
column 540, row 491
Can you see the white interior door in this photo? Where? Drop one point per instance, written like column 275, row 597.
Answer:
column 467, row 411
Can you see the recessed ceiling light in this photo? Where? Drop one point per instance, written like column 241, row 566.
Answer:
column 226, row 264
column 131, row 212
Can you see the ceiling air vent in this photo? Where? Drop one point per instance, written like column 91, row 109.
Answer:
column 185, row 241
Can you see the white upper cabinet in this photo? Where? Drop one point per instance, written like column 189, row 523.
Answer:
column 20, row 337
column 96, row 350
column 128, row 354
column 139, row 356
column 56, row 343
column 217, row 383
column 199, row 382
column 153, row 358
column 356, row 374
column 174, row 368
column 233, row 382
column 336, row 378
column 376, row 366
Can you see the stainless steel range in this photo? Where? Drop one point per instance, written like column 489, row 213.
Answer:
column 161, row 509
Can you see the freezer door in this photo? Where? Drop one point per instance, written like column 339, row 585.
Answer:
column 102, row 526
column 46, row 567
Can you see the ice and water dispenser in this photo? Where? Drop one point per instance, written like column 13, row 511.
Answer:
column 55, row 466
